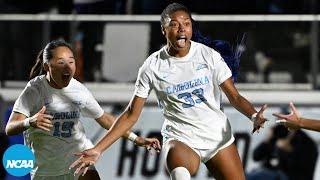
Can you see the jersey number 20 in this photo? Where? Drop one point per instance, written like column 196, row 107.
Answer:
column 191, row 101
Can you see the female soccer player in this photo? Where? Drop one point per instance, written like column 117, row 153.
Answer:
column 48, row 112
column 188, row 78
column 294, row 121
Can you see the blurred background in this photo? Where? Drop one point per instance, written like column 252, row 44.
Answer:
column 112, row 38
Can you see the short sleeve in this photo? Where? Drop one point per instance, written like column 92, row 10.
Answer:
column 91, row 108
column 221, row 70
column 143, row 83
column 27, row 100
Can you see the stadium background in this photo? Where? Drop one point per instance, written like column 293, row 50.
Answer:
column 279, row 63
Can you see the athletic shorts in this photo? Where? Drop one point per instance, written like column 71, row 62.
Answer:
column 204, row 154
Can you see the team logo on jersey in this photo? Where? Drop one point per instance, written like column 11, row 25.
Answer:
column 18, row 160
column 201, row 66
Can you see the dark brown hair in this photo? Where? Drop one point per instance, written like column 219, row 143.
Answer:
column 45, row 55
column 171, row 8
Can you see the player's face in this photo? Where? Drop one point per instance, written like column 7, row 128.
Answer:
column 61, row 67
column 178, row 31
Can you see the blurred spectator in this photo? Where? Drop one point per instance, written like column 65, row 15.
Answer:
column 267, row 154
column 285, row 154
column 16, row 51
column 264, row 65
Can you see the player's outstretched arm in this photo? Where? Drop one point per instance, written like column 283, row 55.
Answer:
column 125, row 121
column 106, row 121
column 294, row 121
column 243, row 105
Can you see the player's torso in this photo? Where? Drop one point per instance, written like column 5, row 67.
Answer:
column 190, row 97
column 185, row 83
column 65, row 107
column 54, row 149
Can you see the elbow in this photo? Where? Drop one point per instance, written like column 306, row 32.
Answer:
column 132, row 117
column 8, row 130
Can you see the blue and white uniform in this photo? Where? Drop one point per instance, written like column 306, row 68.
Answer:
column 54, row 150
column 189, row 94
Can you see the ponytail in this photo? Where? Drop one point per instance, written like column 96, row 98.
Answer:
column 45, row 55
column 37, row 68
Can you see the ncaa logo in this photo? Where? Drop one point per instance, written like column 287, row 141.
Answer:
column 18, row 160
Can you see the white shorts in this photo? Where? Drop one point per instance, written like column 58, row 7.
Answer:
column 204, row 154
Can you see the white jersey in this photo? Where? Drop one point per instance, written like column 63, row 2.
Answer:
column 188, row 91
column 54, row 150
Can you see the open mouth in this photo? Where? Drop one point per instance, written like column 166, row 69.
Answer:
column 181, row 41
column 66, row 76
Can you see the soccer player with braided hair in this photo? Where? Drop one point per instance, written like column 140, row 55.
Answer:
column 187, row 78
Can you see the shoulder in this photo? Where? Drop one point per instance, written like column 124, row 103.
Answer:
column 77, row 90
column 76, row 85
column 36, row 84
column 209, row 55
column 75, row 82
column 206, row 50
column 153, row 61
column 154, row 57
column 37, row 80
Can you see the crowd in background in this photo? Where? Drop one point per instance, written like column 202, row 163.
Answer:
column 263, row 54
column 20, row 42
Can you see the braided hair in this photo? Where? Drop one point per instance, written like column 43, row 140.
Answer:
column 230, row 55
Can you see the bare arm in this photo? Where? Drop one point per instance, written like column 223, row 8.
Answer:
column 311, row 124
column 123, row 123
column 126, row 120
column 243, row 105
column 106, row 121
column 18, row 122
column 294, row 121
column 15, row 124
column 236, row 100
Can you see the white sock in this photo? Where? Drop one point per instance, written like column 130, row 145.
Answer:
column 180, row 173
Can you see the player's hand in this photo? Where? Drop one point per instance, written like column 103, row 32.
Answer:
column 292, row 121
column 86, row 159
column 259, row 120
column 41, row 120
column 149, row 143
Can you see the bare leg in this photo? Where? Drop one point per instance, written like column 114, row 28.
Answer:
column 181, row 155
column 226, row 164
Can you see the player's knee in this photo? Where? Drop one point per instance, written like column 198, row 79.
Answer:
column 180, row 173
